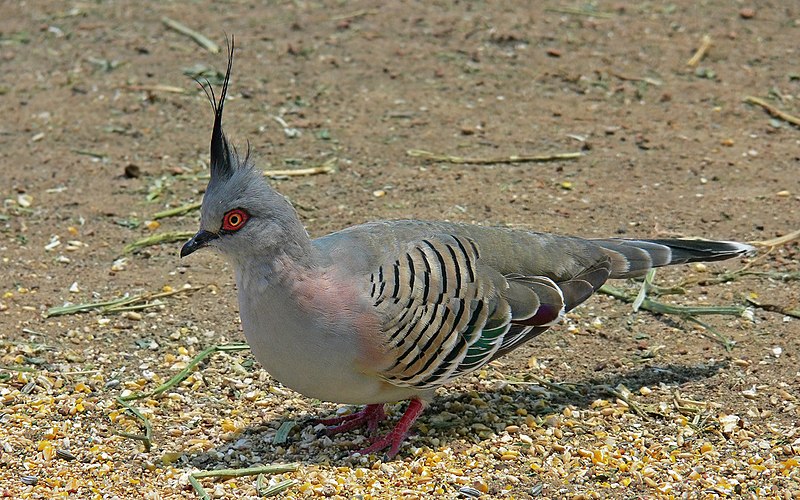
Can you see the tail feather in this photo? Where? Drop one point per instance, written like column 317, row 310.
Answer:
column 631, row 258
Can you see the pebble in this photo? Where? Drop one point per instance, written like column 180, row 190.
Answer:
column 25, row 200
column 747, row 13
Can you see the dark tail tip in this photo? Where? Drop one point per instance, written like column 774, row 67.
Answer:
column 631, row 258
column 689, row 250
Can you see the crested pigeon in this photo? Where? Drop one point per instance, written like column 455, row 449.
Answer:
column 389, row 311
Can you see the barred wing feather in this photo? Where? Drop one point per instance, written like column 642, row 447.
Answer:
column 446, row 313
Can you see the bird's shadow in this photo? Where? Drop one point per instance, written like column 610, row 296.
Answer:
column 263, row 445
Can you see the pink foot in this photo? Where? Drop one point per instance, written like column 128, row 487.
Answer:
column 371, row 415
column 395, row 438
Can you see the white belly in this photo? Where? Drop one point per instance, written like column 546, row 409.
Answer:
column 306, row 353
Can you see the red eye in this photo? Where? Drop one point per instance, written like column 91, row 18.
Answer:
column 234, row 219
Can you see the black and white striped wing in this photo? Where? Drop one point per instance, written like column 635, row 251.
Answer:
column 446, row 314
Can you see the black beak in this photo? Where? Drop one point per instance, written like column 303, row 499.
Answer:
column 198, row 241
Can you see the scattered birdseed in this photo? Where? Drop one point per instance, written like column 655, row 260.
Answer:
column 494, row 434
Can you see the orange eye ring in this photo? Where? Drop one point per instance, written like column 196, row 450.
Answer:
column 234, row 220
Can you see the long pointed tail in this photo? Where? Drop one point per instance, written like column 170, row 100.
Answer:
column 630, row 258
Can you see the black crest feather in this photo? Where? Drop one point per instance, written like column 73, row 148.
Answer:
column 222, row 157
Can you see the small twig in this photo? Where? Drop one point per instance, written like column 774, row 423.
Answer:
column 147, row 438
column 353, row 15
column 660, row 308
column 182, row 210
column 650, row 81
column 705, row 44
column 713, row 334
column 79, row 372
column 201, row 492
column 775, row 275
column 91, row 306
column 156, row 239
column 551, row 385
column 137, row 307
column 325, row 168
column 32, row 332
column 427, row 155
column 276, row 488
column 201, row 39
column 249, row 471
column 734, row 275
column 647, row 283
column 691, row 407
column 580, row 12
column 687, row 313
column 23, row 369
column 154, row 88
column 676, row 396
column 322, row 169
column 772, row 110
column 780, row 240
column 282, row 435
column 794, row 313
column 184, row 373
column 130, row 303
column 93, row 154
column 622, row 397
column 27, row 369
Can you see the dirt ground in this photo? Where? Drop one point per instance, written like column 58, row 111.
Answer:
column 103, row 128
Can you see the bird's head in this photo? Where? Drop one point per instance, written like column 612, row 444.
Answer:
column 241, row 214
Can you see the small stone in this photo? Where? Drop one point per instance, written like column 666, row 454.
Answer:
column 133, row 171
column 120, row 264
column 747, row 13
column 553, row 52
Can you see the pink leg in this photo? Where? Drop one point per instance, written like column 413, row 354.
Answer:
column 371, row 415
column 396, row 437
